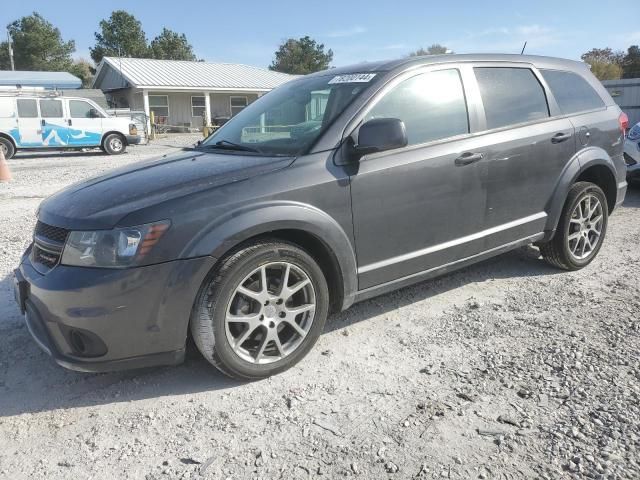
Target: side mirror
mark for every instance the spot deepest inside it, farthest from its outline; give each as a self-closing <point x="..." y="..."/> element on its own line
<point x="93" y="113"/>
<point x="379" y="135"/>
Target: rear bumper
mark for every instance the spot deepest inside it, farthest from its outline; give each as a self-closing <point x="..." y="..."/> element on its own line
<point x="133" y="139"/>
<point x="97" y="320"/>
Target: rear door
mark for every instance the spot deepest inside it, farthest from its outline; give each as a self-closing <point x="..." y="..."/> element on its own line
<point x="53" y="123"/>
<point x="29" y="125"/>
<point x="85" y="123"/>
<point x="527" y="145"/>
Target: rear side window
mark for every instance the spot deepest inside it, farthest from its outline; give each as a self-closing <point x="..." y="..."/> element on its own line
<point x="432" y="106"/>
<point x="27" y="108"/>
<point x="510" y="96"/>
<point x="572" y="92"/>
<point x="51" y="108"/>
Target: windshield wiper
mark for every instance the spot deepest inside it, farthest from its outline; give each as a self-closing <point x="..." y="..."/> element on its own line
<point x="227" y="145"/>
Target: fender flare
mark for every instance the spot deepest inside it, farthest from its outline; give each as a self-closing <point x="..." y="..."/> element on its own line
<point x="227" y="231"/>
<point x="580" y="162"/>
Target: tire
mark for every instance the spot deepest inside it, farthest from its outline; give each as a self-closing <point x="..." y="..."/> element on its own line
<point x="572" y="253"/>
<point x="247" y="349"/>
<point x="7" y="147"/>
<point x="114" y="144"/>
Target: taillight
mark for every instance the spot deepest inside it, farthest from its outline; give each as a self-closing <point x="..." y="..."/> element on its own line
<point x="623" y="121"/>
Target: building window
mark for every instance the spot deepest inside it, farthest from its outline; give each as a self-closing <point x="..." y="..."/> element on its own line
<point x="198" y="106"/>
<point x="159" y="105"/>
<point x="238" y="104"/>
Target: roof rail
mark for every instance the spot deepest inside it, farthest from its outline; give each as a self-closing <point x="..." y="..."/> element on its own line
<point x="30" y="91"/>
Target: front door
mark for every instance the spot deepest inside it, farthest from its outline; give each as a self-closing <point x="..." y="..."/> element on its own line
<point x="55" y="132"/>
<point x="421" y="206"/>
<point x="85" y="124"/>
<point x="29" y="125"/>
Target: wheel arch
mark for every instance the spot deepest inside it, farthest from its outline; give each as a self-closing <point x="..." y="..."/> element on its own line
<point x="304" y="225"/>
<point x="592" y="165"/>
<point x="10" y="138"/>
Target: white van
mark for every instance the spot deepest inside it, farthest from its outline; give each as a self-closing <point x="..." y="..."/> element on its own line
<point x="50" y="121"/>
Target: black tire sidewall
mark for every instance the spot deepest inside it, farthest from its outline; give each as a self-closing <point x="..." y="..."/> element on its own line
<point x="107" y="144"/>
<point x="566" y="216"/>
<point x="9" y="147"/>
<point x="224" y="352"/>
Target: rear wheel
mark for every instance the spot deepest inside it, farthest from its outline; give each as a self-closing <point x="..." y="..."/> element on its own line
<point x="114" y="144"/>
<point x="261" y="310"/>
<point x="7" y="148"/>
<point x="581" y="230"/>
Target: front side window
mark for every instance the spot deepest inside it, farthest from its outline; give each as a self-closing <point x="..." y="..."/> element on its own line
<point x="572" y="92"/>
<point x="432" y="106"/>
<point x="80" y="109"/>
<point x="51" y="108"/>
<point x="289" y="119"/>
<point x="27" y="108"/>
<point x="238" y="104"/>
<point x="159" y="105"/>
<point x="511" y="96"/>
<point x="198" y="106"/>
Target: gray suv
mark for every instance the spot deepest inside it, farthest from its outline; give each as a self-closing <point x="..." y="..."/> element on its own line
<point x="335" y="187"/>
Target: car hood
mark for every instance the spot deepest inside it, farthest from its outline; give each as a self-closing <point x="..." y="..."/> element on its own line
<point x="100" y="202"/>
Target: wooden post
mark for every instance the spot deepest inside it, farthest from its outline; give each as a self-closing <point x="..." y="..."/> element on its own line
<point x="152" y="131"/>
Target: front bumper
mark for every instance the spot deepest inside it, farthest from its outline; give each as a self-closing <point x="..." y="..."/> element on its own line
<point x="133" y="139"/>
<point x="97" y="320"/>
<point x="632" y="158"/>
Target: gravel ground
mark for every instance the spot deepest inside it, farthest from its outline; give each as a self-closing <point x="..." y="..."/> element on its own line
<point x="507" y="369"/>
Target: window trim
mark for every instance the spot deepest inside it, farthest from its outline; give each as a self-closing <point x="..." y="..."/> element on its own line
<point x="160" y="106"/>
<point x="199" y="106"/>
<point x="231" y="107"/>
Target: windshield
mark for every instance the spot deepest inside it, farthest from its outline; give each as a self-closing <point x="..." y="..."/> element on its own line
<point x="288" y="120"/>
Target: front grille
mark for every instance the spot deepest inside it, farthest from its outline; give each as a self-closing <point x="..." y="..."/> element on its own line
<point x="50" y="232"/>
<point x="45" y="258"/>
<point x="48" y="244"/>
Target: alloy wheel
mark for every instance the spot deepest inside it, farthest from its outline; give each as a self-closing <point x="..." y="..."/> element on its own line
<point x="116" y="144"/>
<point x="585" y="227"/>
<point x="270" y="313"/>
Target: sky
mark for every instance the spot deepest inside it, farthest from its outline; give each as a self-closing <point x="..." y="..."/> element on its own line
<point x="250" y="31"/>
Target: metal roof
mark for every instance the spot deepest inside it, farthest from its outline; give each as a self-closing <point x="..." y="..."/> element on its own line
<point x="50" y="80"/>
<point x="175" y="74"/>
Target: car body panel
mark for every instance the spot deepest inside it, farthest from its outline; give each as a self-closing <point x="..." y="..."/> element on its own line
<point x="391" y="219"/>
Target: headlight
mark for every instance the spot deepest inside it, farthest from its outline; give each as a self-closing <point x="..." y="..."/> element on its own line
<point x="118" y="248"/>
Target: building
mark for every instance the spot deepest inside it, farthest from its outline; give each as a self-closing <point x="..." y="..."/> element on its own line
<point x="626" y="93"/>
<point x="46" y="80"/>
<point x="181" y="93"/>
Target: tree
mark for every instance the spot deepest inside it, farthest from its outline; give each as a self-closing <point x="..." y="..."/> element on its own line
<point x="435" y="49"/>
<point x="631" y="63"/>
<point x="605" y="63"/>
<point x="84" y="71"/>
<point x="170" y="45"/>
<point x="37" y="45"/>
<point x="301" y="56"/>
<point x="120" y="36"/>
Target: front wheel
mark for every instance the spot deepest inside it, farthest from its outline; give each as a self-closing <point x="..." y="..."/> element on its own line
<point x="114" y="144"/>
<point x="7" y="148"/>
<point x="581" y="229"/>
<point x="261" y="310"/>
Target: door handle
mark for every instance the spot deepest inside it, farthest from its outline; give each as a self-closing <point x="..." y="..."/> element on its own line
<point x="42" y="122"/>
<point x="468" y="157"/>
<point x="561" y="137"/>
<point x="70" y="123"/>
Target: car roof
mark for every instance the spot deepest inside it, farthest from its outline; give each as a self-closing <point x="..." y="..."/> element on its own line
<point x="389" y="65"/>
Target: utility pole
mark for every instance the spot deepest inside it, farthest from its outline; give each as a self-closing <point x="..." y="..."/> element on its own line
<point x="13" y="66"/>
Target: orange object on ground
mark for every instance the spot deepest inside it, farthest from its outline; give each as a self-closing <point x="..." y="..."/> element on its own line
<point x="5" y="173"/>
